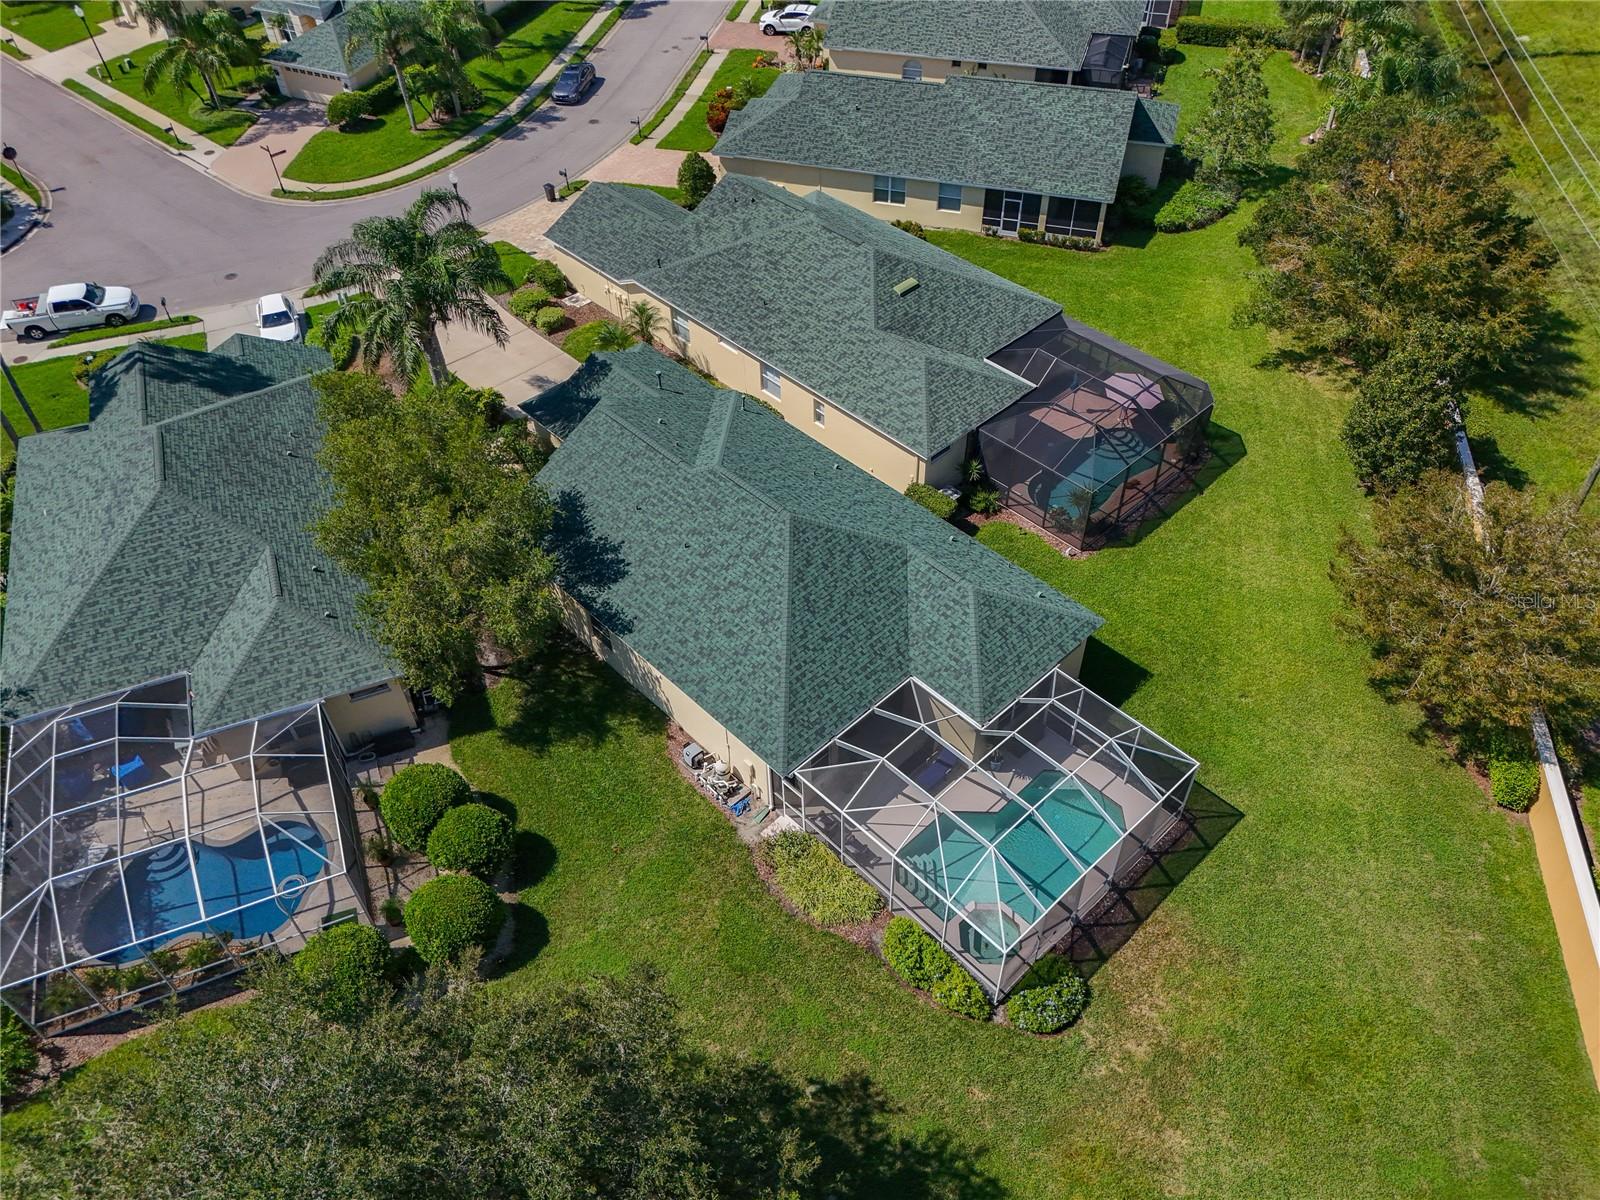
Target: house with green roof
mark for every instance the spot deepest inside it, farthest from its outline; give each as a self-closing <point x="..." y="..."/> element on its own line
<point x="896" y="355"/>
<point x="315" y="59"/>
<point x="1084" y="42"/>
<point x="855" y="662"/>
<point x="184" y="674"/>
<point x="970" y="153"/>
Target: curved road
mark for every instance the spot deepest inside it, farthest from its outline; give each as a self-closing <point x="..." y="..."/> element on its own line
<point x="127" y="212"/>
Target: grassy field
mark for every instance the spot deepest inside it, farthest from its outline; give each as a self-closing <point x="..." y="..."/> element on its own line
<point x="1264" y="12"/>
<point x="21" y="182"/>
<point x="380" y="144"/>
<point x="125" y="115"/>
<point x="514" y="263"/>
<point x="185" y="106"/>
<point x="51" y="24"/>
<point x="1298" y="103"/>
<point x="692" y="133"/>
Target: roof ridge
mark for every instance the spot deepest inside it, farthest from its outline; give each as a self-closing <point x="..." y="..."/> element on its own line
<point x="227" y="400"/>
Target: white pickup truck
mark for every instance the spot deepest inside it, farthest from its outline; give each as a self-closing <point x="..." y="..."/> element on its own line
<point x="70" y="306"/>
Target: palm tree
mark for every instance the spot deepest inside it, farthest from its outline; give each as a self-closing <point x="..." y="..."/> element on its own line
<point x="388" y="28"/>
<point x="200" y="42"/>
<point x="456" y="32"/>
<point x="643" y="321"/>
<point x="612" y="335"/>
<point x="408" y="275"/>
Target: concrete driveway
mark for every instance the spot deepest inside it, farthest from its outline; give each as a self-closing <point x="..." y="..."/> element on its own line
<point x="522" y="368"/>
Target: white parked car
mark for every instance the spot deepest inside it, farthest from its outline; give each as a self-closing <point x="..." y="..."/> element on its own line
<point x="276" y="318"/>
<point x="787" y="19"/>
<point x="70" y="306"/>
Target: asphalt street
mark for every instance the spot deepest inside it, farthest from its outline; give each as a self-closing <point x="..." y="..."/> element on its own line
<point x="128" y="212"/>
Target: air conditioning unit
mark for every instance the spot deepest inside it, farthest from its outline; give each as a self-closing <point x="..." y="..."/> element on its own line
<point x="694" y="756"/>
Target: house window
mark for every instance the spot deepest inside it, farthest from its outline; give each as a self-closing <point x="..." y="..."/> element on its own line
<point x="949" y="197"/>
<point x="1072" y="218"/>
<point x="680" y="327"/>
<point x="955" y="62"/>
<point x="367" y="693"/>
<point x="888" y="189"/>
<point x="818" y="413"/>
<point x="911" y="69"/>
<point x="771" y="384"/>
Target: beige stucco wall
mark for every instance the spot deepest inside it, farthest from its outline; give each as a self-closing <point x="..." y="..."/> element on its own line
<point x="934" y="70"/>
<point x="855" y="189"/>
<point x="1144" y="160"/>
<point x="700" y="725"/>
<point x="358" y="721"/>
<point x="1577" y="951"/>
<point x="848" y="437"/>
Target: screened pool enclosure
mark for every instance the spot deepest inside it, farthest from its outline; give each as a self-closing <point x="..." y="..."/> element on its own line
<point x="1105" y="432"/>
<point x="141" y="860"/>
<point x="995" y="836"/>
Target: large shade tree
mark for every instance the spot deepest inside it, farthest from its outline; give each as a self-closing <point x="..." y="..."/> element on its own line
<point x="388" y="28"/>
<point x="1233" y="137"/>
<point x="1401" y="218"/>
<point x="437" y="511"/>
<point x="1479" y="631"/>
<point x="409" y="274"/>
<point x="203" y="42"/>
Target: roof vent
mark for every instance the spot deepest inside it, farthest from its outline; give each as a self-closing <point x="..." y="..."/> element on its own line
<point x="328" y="612"/>
<point x="906" y="286"/>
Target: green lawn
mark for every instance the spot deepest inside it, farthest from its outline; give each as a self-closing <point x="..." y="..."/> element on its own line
<point x="124" y="114"/>
<point x="1264" y="12"/>
<point x="383" y="143"/>
<point x="580" y="343"/>
<point x="514" y="263"/>
<point x="21" y="182"/>
<point x="1298" y="102"/>
<point x="188" y="105"/>
<point x="55" y="396"/>
<point x="51" y="24"/>
<point x="692" y="133"/>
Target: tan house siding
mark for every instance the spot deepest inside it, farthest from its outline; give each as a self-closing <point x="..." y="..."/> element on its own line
<point x="700" y="725"/>
<point x="855" y="189"/>
<point x="1144" y="159"/>
<point x="934" y="70"/>
<point x="847" y="436"/>
<point x="358" y="721"/>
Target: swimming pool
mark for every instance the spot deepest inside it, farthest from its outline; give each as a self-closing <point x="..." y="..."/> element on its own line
<point x="161" y="891"/>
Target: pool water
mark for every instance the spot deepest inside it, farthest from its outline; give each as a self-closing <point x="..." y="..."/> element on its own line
<point x="235" y="876"/>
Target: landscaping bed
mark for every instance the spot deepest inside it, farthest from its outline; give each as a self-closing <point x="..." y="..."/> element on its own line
<point x="692" y="133"/>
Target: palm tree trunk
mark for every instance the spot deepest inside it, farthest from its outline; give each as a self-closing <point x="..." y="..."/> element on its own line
<point x="434" y="352"/>
<point x="1322" y="59"/>
<point x="405" y="96"/>
<point x="210" y="91"/>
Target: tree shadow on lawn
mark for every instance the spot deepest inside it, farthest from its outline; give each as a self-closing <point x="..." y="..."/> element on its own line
<point x="533" y="855"/>
<point x="569" y="697"/>
<point x="1493" y="464"/>
<point x="1206" y="820"/>
<point x="530" y="934"/>
<point x="1552" y="369"/>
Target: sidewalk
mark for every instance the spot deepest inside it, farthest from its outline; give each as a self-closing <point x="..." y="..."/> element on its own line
<point x="687" y="100"/>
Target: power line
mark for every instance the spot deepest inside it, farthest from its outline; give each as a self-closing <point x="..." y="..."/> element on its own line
<point x="1526" y="53"/>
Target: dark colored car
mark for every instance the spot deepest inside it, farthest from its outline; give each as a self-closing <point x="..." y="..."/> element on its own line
<point x="573" y="83"/>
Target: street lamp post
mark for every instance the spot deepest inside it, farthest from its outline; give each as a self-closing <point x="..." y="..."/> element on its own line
<point x="455" y="182"/>
<point x="77" y="11"/>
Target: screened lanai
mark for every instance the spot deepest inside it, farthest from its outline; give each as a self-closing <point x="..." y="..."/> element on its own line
<point x="994" y="836"/>
<point x="140" y="859"/>
<point x="1105" y="433"/>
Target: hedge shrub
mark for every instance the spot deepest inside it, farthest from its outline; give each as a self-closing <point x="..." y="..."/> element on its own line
<point x="448" y="914"/>
<point x="344" y="968"/>
<point x="470" y="837"/>
<point x="18" y="1057"/>
<point x="815" y="879"/>
<point x="416" y="797"/>
<point x="932" y="499"/>
<point x="549" y="318"/>
<point x="383" y="96"/>
<point x="548" y="276"/>
<point x="1167" y="42"/>
<point x="1193" y="206"/>
<point x="341" y="346"/>
<point x="914" y="955"/>
<point x="347" y="107"/>
<point x="914" y="228"/>
<point x="1050" y="1007"/>
<point x="960" y="993"/>
<point x="1514" y="782"/>
<point x="1224" y="31"/>
<point x="525" y="302"/>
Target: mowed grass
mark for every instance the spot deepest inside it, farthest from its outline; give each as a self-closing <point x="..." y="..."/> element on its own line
<point x="51" y="24"/>
<point x="692" y="133"/>
<point x="1298" y="103"/>
<point x="187" y="105"/>
<point x="535" y="34"/>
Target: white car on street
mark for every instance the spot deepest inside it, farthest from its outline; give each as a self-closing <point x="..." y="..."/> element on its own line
<point x="787" y="19"/>
<point x="276" y="319"/>
<point x="70" y="306"/>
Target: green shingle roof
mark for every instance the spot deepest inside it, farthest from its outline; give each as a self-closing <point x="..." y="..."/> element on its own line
<point x="1031" y="33"/>
<point x="781" y="588"/>
<point x="983" y="132"/>
<point x="171" y="535"/>
<point x="806" y="284"/>
<point x="324" y="47"/>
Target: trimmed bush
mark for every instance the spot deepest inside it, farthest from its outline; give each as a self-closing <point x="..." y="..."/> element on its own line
<point x="343" y="967"/>
<point x="932" y="499"/>
<point x="341" y="346"/>
<point x="1061" y="241"/>
<point x="1193" y="206"/>
<point x="1168" y="44"/>
<point x="817" y="881"/>
<point x="451" y="913"/>
<point x="914" y="228"/>
<point x="347" y="107"/>
<point x="1049" y="1008"/>
<point x="1223" y="31"/>
<point x="415" y="799"/>
<point x="527" y="301"/>
<point x="548" y="276"/>
<point x="696" y="178"/>
<point x="470" y="837"/>
<point x="383" y="96"/>
<point x="18" y="1057"/>
<point x="960" y="993"/>
<point x="1514" y="782"/>
<point x="914" y="955"/>
<point x="550" y="318"/>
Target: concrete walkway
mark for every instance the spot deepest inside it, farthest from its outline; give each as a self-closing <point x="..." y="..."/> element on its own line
<point x="687" y="101"/>
<point x="526" y="365"/>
